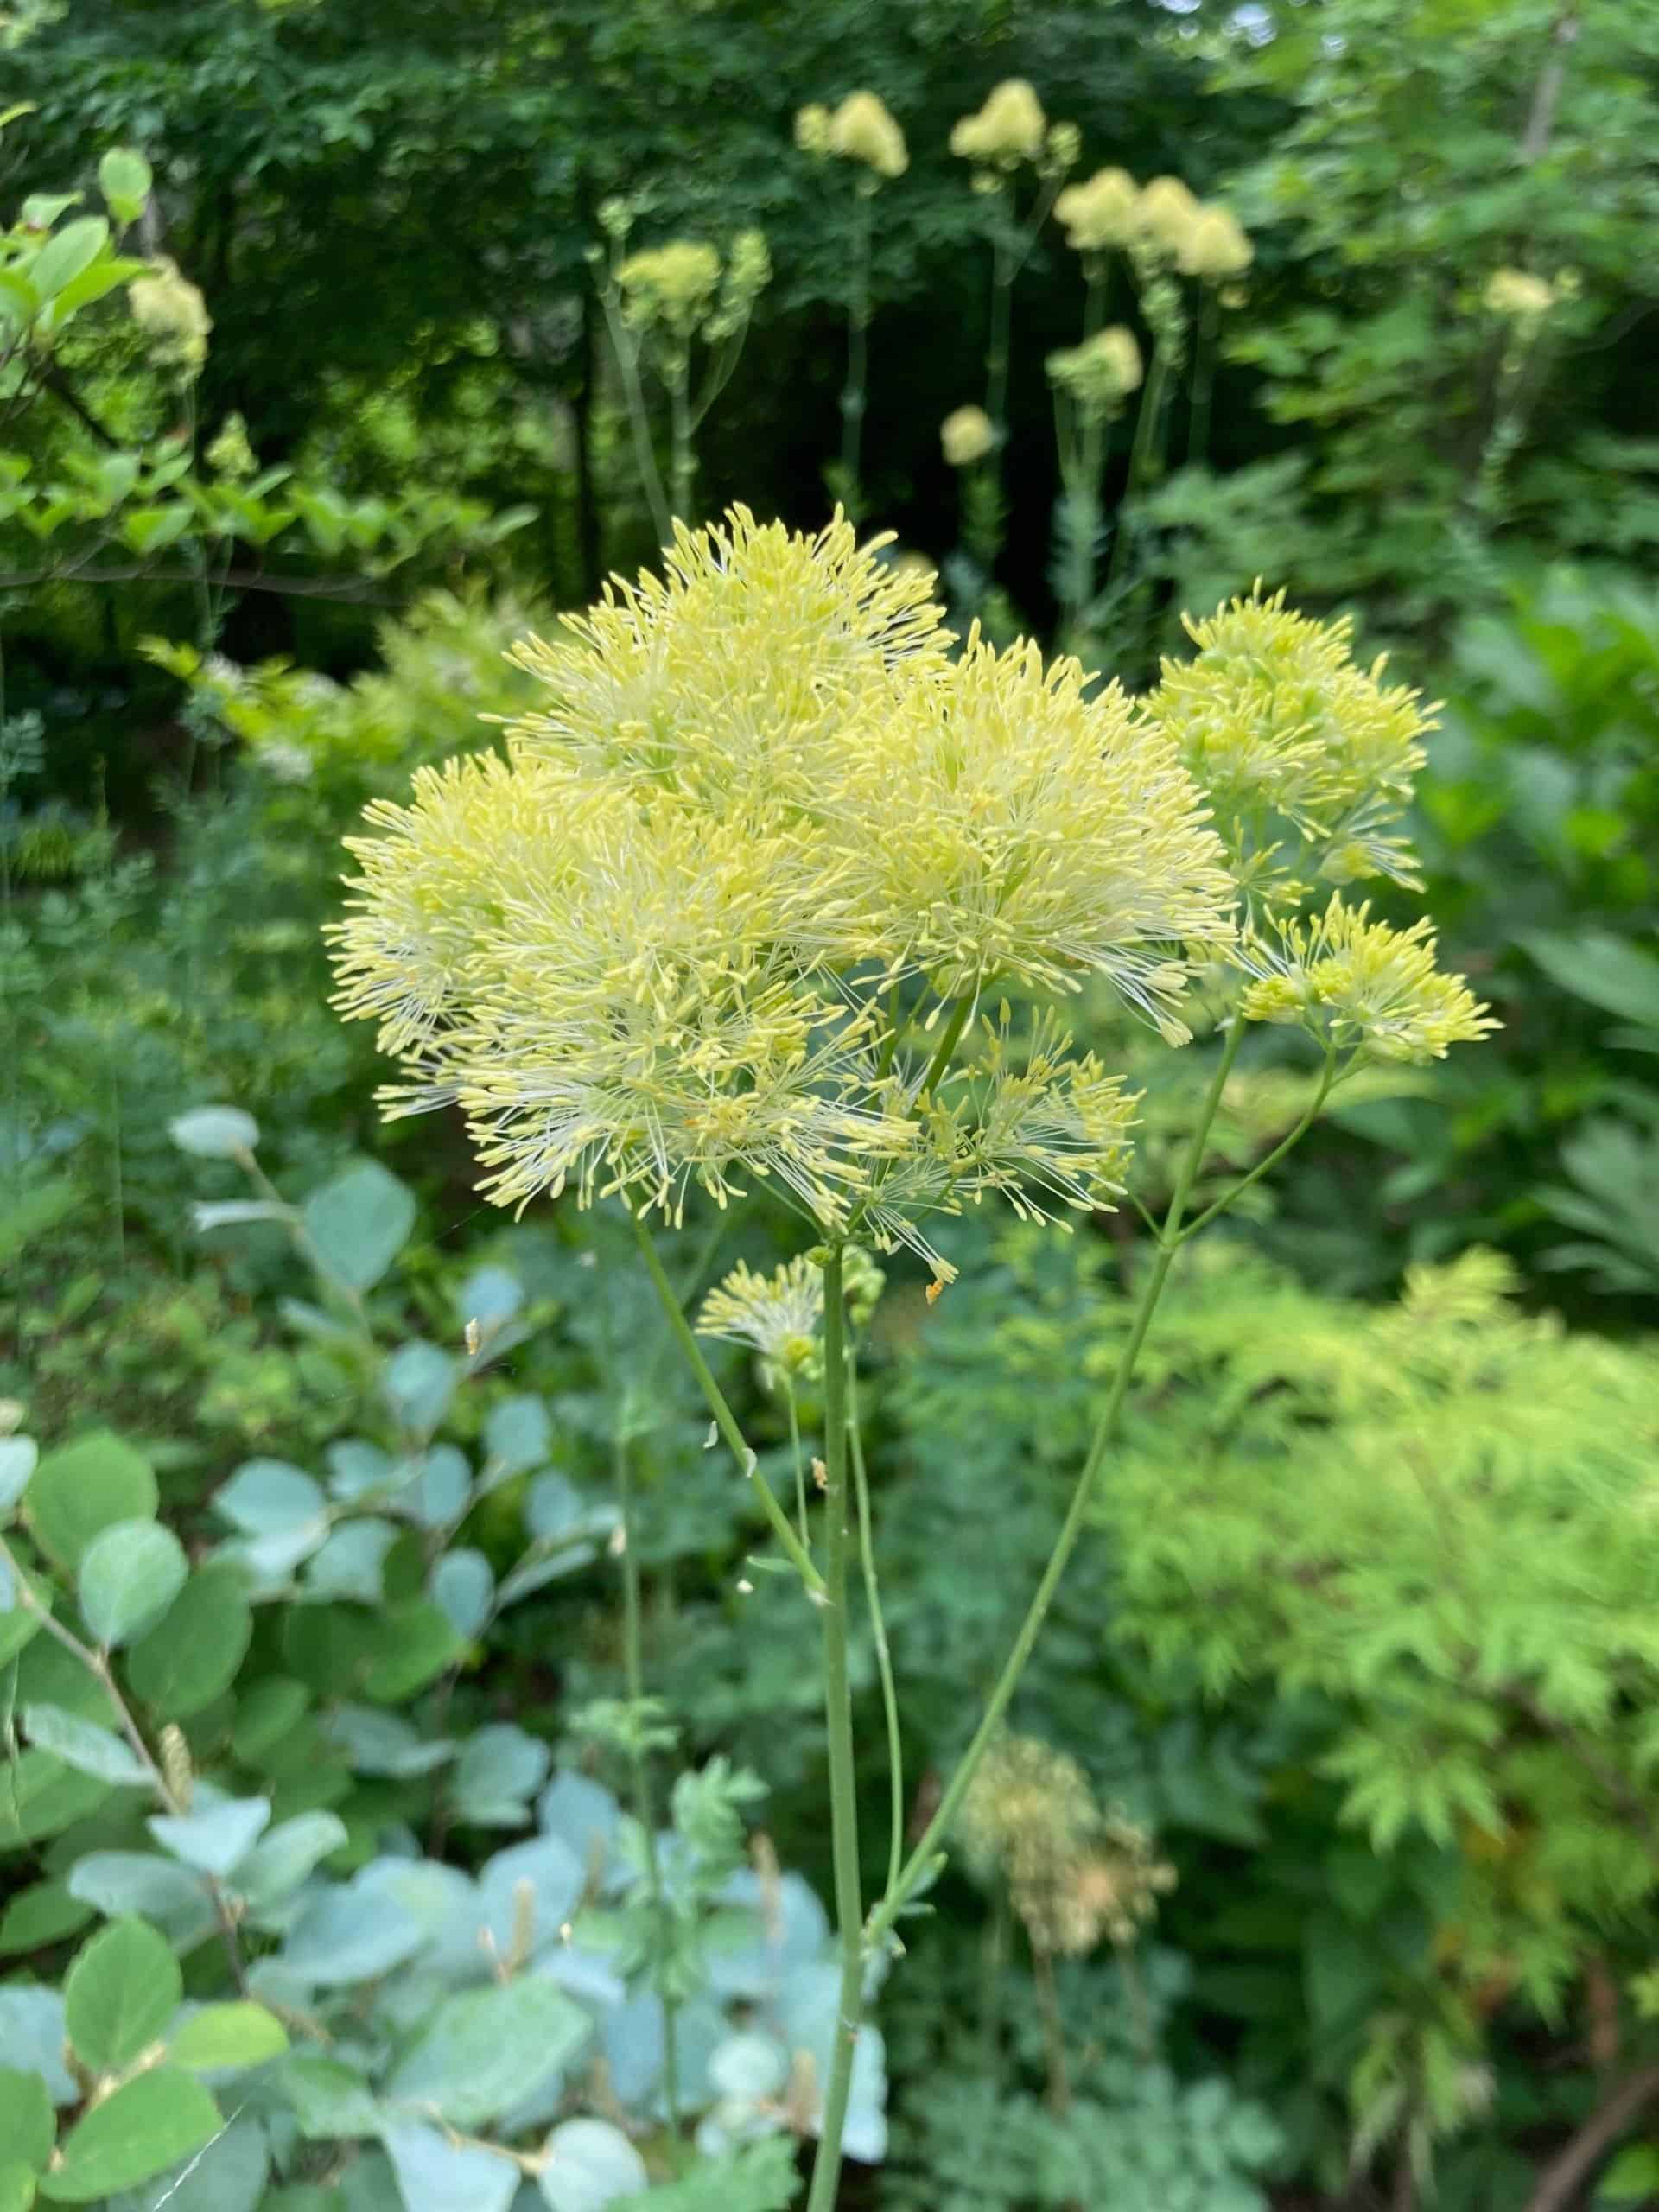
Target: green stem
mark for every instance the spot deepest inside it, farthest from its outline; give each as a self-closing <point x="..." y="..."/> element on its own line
<point x="1272" y="1159"/>
<point x="879" y="1629"/>
<point x="921" y="1862"/>
<point x="854" y="391"/>
<point x="947" y="1045"/>
<point x="684" y="463"/>
<point x="725" y="1419"/>
<point x="1004" y="269"/>
<point x="1151" y="401"/>
<point x="800" y="1463"/>
<point x="1204" y="377"/>
<point x="633" y="1662"/>
<point x="634" y="392"/>
<point x="838" y="1716"/>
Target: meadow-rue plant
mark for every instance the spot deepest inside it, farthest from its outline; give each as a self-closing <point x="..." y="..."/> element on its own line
<point x="1517" y="296"/>
<point x="682" y="940"/>
<point x="1165" y="214"/>
<point x="863" y="129"/>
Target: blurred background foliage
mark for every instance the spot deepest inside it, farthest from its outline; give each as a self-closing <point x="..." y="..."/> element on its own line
<point x="1413" y="1817"/>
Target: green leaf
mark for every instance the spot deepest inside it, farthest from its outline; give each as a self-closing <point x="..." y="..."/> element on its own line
<point x="40" y="1796"/>
<point x="229" y="2175"/>
<point x="499" y="1768"/>
<point x="67" y="252"/>
<point x="226" y="2036"/>
<point x="330" y="2101"/>
<point x="588" y="2164"/>
<point x="85" y="1746"/>
<point x="19" y="1456"/>
<point x="487" y="2047"/>
<point x="419" y="1382"/>
<point x="213" y="1837"/>
<point x="170" y="1896"/>
<point x="434" y="2175"/>
<point x="192" y="1655"/>
<point x="268" y="1497"/>
<point x="93" y="284"/>
<point x="84" y="1487"/>
<point x="28" y="2127"/>
<point x="148" y="2124"/>
<point x="130" y="1574"/>
<point x="350" y="1934"/>
<point x="282" y="1860"/>
<point x="121" y="1990"/>
<point x="463" y="1586"/>
<point x="412" y="1644"/>
<point x="16" y="2186"/>
<point x="124" y="178"/>
<point x="215" y="1131"/>
<point x="43" y="1913"/>
<point x="1632" y="2178"/>
<point x="357" y="1223"/>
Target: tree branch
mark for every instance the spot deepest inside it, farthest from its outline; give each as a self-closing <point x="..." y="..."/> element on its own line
<point x="1562" y="2180"/>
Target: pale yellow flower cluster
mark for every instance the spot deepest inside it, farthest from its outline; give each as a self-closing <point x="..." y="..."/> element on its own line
<point x="1516" y="295"/>
<point x="1286" y="734"/>
<point x="1009" y="129"/>
<point x="966" y="436"/>
<point x="658" y="946"/>
<point x="1101" y="212"/>
<point x="1101" y="373"/>
<point x="1164" y="218"/>
<point x="674" y="284"/>
<point x="860" y="129"/>
<point x="172" y="315"/>
<point x="781" y="1316"/>
<point x="1359" y="985"/>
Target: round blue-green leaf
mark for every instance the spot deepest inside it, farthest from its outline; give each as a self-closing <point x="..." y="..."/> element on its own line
<point x="193" y="1654"/>
<point x="214" y="1132"/>
<point x="588" y="2165"/>
<point x="27" y="2126"/>
<point x="18" y="1457"/>
<point x="85" y="1486"/>
<point x="130" y="1574"/>
<point x="357" y="1223"/>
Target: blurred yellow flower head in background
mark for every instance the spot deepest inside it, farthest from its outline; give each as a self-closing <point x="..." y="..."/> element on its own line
<point x="1104" y="212"/>
<point x="862" y="130"/>
<point x="966" y="436"/>
<point x="1008" y="130"/>
<point x="1215" y="246"/>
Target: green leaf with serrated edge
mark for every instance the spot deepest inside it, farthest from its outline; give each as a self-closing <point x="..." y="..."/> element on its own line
<point x="119" y="1993"/>
<point x="487" y="2047"/>
<point x="221" y="2037"/>
<point x="84" y="1487"/>
<point x="43" y="1913"/>
<point x="130" y="1574"/>
<point x="28" y="2126"/>
<point x="147" y="2126"/>
<point x="193" y="1655"/>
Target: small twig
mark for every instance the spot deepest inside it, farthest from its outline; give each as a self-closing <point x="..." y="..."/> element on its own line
<point x="1562" y="2179"/>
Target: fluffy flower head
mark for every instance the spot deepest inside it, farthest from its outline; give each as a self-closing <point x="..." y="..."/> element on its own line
<point x="1100" y="374"/>
<point x="673" y="285"/>
<point x="172" y="315"/>
<point x="1274" y="719"/>
<point x="1046" y="836"/>
<point x="862" y="130"/>
<point x="1008" y="130"/>
<point x="1100" y="213"/>
<point x="1358" y="984"/>
<point x="733" y="674"/>
<point x="1215" y="246"/>
<point x="779" y="1315"/>
<point x="966" y="436"/>
<point x="1164" y="214"/>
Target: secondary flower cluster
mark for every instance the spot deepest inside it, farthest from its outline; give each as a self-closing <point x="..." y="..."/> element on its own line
<point x="1164" y="218"/>
<point x="730" y="905"/>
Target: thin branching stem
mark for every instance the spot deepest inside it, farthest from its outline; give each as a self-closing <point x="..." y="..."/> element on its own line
<point x="838" y="1718"/>
<point x="725" y="1419"/>
<point x="879" y="1629"/>
<point x="926" y="1857"/>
